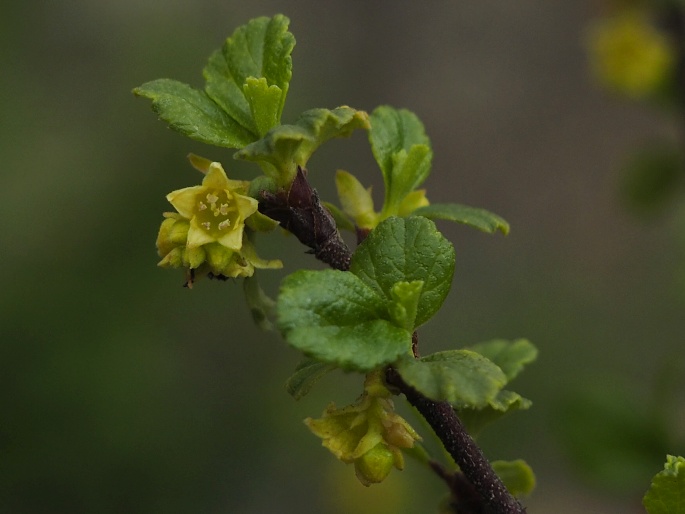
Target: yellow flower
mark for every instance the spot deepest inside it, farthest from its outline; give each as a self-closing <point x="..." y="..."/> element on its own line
<point x="207" y="234"/>
<point x="367" y="433"/>
<point x="217" y="209"/>
<point x="630" y="55"/>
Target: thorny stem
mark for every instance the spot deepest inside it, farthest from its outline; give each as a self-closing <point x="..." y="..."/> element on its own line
<point x="481" y="492"/>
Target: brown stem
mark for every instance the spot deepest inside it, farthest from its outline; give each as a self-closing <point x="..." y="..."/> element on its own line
<point x="464" y="498"/>
<point x="300" y="212"/>
<point x="463" y="449"/>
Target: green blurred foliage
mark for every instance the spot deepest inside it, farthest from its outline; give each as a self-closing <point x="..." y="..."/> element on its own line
<point x="124" y="392"/>
<point x="652" y="177"/>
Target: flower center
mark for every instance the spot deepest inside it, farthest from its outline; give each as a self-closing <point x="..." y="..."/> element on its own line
<point x="216" y="211"/>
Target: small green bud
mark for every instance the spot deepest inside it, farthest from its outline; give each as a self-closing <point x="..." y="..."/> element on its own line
<point x="193" y="257"/>
<point x="405" y="302"/>
<point x="375" y="465"/>
<point x="173" y="259"/>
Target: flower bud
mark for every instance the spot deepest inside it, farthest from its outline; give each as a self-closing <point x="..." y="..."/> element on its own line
<point x="375" y="465"/>
<point x="368" y="433"/>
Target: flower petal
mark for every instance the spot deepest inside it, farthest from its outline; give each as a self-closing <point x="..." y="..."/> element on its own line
<point x="216" y="177"/>
<point x="184" y="200"/>
<point x="246" y="206"/>
<point x="197" y="236"/>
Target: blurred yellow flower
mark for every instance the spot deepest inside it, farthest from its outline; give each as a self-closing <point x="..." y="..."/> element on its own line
<point x="628" y="54"/>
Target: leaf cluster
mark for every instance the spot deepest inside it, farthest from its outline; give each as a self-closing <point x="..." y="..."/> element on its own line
<point x="364" y="319"/>
<point x="240" y="106"/>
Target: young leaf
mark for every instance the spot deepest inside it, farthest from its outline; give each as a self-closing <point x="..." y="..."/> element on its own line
<point x="510" y="356"/>
<point x="402" y="150"/>
<point x="307" y="373"/>
<point x="404" y="304"/>
<point x="517" y="475"/>
<point x="461" y="377"/>
<point x="477" y="218"/>
<point x="264" y="103"/>
<point x="356" y="200"/>
<point x="249" y="77"/>
<point x="334" y="317"/>
<point x="194" y="114"/>
<point x="407" y="250"/>
<point x="667" y="492"/>
<point x="475" y="419"/>
<point x="285" y="147"/>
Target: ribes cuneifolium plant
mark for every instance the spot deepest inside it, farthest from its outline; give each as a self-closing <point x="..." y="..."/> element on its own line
<point x="363" y="314"/>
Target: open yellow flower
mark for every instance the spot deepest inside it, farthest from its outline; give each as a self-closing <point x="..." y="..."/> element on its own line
<point x="217" y="209"/>
<point x="207" y="234"/>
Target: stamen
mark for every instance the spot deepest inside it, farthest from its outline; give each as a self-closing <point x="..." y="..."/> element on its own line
<point x="202" y="206"/>
<point x="212" y="198"/>
<point x="224" y="224"/>
<point x="207" y="225"/>
<point x="223" y="209"/>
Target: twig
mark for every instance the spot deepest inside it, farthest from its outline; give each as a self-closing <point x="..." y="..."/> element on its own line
<point x="300" y="212"/>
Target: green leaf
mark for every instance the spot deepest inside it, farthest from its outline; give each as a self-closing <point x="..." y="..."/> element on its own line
<point x="505" y="402"/>
<point x="517" y="476"/>
<point x="477" y="218"/>
<point x="285" y="147"/>
<point x="194" y="114"/>
<point x="667" y="492"/>
<point x="402" y="150"/>
<point x="407" y="250"/>
<point x="334" y="317"/>
<point x="249" y="77"/>
<point x="609" y="436"/>
<point x="306" y="375"/>
<point x="510" y="356"/>
<point x="652" y="176"/>
<point x="461" y="377"/>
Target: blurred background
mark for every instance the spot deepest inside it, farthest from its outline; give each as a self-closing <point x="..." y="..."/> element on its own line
<point x="123" y="392"/>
